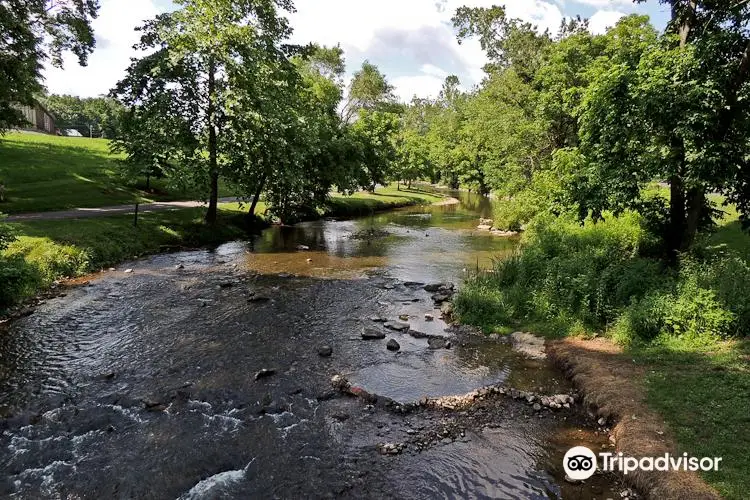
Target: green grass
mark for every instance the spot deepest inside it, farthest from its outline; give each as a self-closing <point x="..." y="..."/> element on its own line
<point x="361" y="203"/>
<point x="42" y="173"/>
<point x="703" y="393"/>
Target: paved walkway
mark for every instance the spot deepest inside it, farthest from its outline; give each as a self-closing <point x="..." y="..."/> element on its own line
<point x="87" y="213"/>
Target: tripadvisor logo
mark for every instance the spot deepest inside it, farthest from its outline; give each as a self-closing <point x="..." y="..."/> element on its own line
<point x="580" y="463"/>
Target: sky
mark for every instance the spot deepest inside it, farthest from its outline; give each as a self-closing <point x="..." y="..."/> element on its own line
<point x="411" y="41"/>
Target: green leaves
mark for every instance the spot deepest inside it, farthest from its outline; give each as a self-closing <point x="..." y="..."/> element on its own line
<point x="32" y="32"/>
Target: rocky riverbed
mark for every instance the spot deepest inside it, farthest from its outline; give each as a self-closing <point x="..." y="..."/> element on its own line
<point x="208" y="374"/>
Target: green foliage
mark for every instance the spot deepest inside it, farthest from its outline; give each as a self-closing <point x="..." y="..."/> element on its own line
<point x="600" y="276"/>
<point x="368" y="90"/>
<point x="91" y="116"/>
<point x="35" y="32"/>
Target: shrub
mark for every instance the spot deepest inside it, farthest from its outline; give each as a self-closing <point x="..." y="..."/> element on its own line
<point x="595" y="277"/>
<point x="51" y="260"/>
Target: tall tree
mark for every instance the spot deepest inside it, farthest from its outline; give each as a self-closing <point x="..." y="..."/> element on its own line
<point x="205" y="60"/>
<point x="368" y="90"/>
<point x="696" y="76"/>
<point x="35" y="31"/>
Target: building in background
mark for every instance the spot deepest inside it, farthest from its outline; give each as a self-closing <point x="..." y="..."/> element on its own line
<point x="38" y="118"/>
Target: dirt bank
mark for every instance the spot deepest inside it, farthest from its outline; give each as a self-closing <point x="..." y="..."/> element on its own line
<point x="613" y="388"/>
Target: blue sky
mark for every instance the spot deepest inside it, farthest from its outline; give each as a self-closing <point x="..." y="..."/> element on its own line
<point x="410" y="40"/>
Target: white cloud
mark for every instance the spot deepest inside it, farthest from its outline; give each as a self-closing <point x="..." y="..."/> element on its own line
<point x="604" y="19"/>
<point x="408" y="39"/>
<point x="429" y="69"/>
<point x="606" y="3"/>
<point x="412" y="41"/>
<point x="419" y="85"/>
<point x="114" y="29"/>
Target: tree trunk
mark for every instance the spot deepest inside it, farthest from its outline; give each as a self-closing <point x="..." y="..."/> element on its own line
<point x="258" y="192"/>
<point x="676" y="228"/>
<point x="213" y="200"/>
<point x="696" y="202"/>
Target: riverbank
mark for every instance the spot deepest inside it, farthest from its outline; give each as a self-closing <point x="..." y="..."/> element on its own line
<point x="676" y="352"/>
<point x="47" y="252"/>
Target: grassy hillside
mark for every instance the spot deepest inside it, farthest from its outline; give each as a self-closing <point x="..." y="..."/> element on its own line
<point x="42" y="172"/>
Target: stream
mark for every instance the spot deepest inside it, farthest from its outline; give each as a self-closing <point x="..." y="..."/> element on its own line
<point x="142" y="384"/>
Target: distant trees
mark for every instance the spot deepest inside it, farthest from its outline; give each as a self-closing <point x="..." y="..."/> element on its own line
<point x="97" y="116"/>
<point x="34" y="32"/>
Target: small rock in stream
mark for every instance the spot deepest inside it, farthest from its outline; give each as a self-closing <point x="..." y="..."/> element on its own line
<point x="372" y="334"/>
<point x="257" y="298"/>
<point x="391" y="448"/>
<point x="428" y="317"/>
<point x="325" y="351"/>
<point x="264" y="373"/>
<point x="404" y="317"/>
<point x="438" y="343"/>
<point x="393" y="345"/>
<point x="378" y="319"/>
<point x="397" y="325"/>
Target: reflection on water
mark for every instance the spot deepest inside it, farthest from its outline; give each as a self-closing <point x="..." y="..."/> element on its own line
<point x="423" y="243"/>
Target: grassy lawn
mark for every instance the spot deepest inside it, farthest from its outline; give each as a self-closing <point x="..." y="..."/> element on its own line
<point x="42" y="173"/>
<point x="704" y="396"/>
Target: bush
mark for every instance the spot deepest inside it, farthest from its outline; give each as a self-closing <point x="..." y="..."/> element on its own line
<point x="599" y="276"/>
<point x="50" y="260"/>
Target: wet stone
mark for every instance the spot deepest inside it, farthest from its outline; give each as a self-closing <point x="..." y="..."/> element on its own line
<point x="438" y="343"/>
<point x="372" y="334"/>
<point x="325" y="351"/>
<point x="397" y="325"/>
<point x="393" y="345"/>
<point x="264" y="373"/>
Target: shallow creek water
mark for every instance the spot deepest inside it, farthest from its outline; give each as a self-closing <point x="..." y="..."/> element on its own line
<point x="143" y="384"/>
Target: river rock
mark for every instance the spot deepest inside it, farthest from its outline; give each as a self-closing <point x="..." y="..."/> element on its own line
<point x="404" y="317"/>
<point x="340" y="383"/>
<point x="391" y="448"/>
<point x="264" y="373"/>
<point x="128" y="271"/>
<point x="372" y="334"/>
<point x="254" y="298"/>
<point x="325" y="351"/>
<point x="393" y="345"/>
<point x="413" y="283"/>
<point x="486" y="222"/>
<point x="428" y="317"/>
<point x="484" y="227"/>
<point x="438" y="343"/>
<point x="303" y="248"/>
<point x="397" y="325"/>
<point x="378" y="319"/>
<point x="537" y="407"/>
<point x="179" y="266"/>
<point x="432" y="287"/>
<point x="441" y="297"/>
